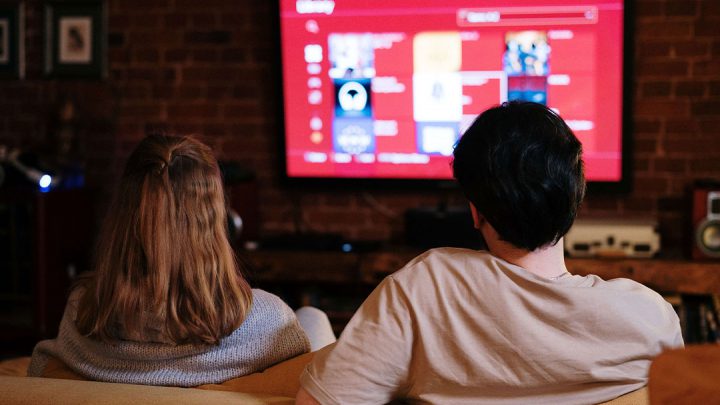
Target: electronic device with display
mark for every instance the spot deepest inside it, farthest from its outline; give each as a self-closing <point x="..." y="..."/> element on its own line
<point x="378" y="92"/>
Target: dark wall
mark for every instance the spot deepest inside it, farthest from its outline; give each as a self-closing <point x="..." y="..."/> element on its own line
<point x="206" y="68"/>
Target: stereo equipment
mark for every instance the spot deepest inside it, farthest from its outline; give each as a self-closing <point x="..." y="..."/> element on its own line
<point x="706" y="221"/>
<point x="614" y="237"/>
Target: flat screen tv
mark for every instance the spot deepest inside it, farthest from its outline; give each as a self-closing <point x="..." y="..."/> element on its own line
<point x="379" y="91"/>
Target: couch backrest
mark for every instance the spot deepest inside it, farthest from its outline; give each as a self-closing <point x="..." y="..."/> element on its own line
<point x="42" y="391"/>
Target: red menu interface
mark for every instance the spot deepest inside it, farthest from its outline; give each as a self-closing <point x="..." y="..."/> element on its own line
<point x="384" y="89"/>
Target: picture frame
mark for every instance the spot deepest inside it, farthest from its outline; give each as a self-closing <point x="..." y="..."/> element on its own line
<point x="12" y="40"/>
<point x="75" y="39"/>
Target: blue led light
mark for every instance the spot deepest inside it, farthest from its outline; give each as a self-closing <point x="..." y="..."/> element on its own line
<point x="45" y="181"/>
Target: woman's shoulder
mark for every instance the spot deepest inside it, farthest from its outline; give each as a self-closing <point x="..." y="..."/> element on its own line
<point x="75" y="295"/>
<point x="271" y="316"/>
<point x="81" y="285"/>
<point x="267" y="297"/>
<point x="265" y="303"/>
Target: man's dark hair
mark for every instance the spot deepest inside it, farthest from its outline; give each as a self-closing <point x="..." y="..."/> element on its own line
<point x="520" y="165"/>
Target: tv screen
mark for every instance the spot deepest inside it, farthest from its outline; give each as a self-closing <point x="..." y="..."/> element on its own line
<point x="382" y="90"/>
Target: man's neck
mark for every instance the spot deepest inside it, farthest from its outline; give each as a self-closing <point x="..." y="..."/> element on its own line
<point x="547" y="262"/>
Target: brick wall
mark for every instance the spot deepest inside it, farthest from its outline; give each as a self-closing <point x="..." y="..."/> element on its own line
<point x="205" y="67"/>
<point x="676" y="110"/>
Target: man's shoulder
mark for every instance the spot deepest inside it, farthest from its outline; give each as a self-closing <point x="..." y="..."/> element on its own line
<point x="443" y="261"/>
<point x="639" y="292"/>
<point x="625" y="286"/>
<point x="627" y="299"/>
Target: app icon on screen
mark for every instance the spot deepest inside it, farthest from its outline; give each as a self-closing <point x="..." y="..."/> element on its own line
<point x="437" y="96"/>
<point x="353" y="135"/>
<point x="527" y="53"/>
<point x="437" y="138"/>
<point x="352" y="98"/>
<point x="351" y="56"/>
<point x="439" y="51"/>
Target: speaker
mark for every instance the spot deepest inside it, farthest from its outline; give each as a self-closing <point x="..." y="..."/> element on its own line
<point x="242" y="198"/>
<point x="706" y="221"/>
<point x="243" y="211"/>
<point x="429" y="227"/>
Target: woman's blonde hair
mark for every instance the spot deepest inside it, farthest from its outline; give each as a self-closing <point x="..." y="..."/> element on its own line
<point x="164" y="250"/>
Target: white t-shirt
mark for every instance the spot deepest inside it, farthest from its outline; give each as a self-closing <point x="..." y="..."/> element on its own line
<point x="459" y="326"/>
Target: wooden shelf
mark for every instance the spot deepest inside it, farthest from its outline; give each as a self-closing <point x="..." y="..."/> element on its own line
<point x="663" y="275"/>
<point x="302" y="266"/>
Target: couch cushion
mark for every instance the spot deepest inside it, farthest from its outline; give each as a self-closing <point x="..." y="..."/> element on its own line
<point x="686" y="376"/>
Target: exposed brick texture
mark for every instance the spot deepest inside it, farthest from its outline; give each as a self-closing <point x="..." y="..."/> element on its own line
<point x="205" y="67"/>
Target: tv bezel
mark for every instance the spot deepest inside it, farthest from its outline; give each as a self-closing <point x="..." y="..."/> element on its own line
<point x="622" y="186"/>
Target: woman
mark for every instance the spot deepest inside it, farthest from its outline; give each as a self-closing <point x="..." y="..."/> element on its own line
<point x="166" y="303"/>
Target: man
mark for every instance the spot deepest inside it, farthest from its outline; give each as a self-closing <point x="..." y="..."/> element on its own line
<point x="510" y="324"/>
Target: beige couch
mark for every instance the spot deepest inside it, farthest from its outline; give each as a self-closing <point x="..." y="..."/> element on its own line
<point x="276" y="385"/>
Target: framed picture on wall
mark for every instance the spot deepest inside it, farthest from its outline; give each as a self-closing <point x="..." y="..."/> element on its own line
<point x="12" y="58"/>
<point x="75" y="39"/>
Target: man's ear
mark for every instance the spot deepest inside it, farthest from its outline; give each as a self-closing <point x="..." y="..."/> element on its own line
<point x="478" y="219"/>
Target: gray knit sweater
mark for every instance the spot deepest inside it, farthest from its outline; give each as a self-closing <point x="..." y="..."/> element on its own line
<point x="269" y="334"/>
